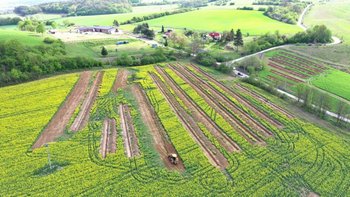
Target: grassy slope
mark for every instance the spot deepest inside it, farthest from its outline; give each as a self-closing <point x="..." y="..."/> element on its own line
<point x="109" y="18"/>
<point x="252" y="22"/>
<point x="336" y="82"/>
<point x="335" y="15"/>
<point x="27" y="38"/>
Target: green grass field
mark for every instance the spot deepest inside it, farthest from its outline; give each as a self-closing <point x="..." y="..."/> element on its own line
<point x="335" y="15"/>
<point x="93" y="48"/>
<point x="27" y="38"/>
<point x="334" y="81"/>
<point x="252" y="22"/>
<point x="108" y="19"/>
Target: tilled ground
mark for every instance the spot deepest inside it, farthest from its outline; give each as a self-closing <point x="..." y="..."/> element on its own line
<point x="58" y="123"/>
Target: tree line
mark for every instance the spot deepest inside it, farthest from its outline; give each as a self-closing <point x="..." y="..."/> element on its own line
<point x="77" y="8"/>
<point x="9" y="20"/>
<point x="21" y="63"/>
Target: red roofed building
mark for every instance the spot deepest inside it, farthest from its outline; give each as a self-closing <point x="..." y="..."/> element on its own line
<point x="215" y="35"/>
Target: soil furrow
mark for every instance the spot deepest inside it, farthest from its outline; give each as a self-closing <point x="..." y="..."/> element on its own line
<point x="240" y="98"/>
<point x="128" y="131"/>
<point x="121" y="80"/>
<point x="199" y="115"/>
<point x="84" y="114"/>
<point x="213" y="154"/>
<point x="161" y="140"/>
<point x="233" y="121"/>
<point x="230" y="105"/>
<point x="58" y="123"/>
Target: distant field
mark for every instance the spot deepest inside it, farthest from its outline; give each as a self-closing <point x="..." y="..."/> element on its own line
<point x="93" y="48"/>
<point x="335" y="81"/>
<point x="335" y="15"/>
<point x="109" y="18"/>
<point x="27" y="38"/>
<point x="252" y="22"/>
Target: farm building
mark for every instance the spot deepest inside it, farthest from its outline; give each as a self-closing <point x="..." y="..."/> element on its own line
<point x="101" y="29"/>
<point x="215" y="35"/>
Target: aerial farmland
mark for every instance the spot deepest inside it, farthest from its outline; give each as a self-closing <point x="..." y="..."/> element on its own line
<point x="183" y="98"/>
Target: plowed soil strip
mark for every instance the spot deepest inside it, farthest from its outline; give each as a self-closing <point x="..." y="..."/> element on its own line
<point x="121" y="80"/>
<point x="240" y="98"/>
<point x="219" y="108"/>
<point x="58" y="123"/>
<point x="104" y="139"/>
<point x="213" y="154"/>
<point x="112" y="137"/>
<point x="264" y="100"/>
<point x="83" y="116"/>
<point x="162" y="144"/>
<point x="229" y="104"/>
<point x="199" y="115"/>
<point x="108" y="139"/>
<point x="128" y="132"/>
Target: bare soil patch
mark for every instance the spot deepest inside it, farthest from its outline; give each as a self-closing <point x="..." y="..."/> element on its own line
<point x="84" y="114"/>
<point x="58" y="123"/>
<point x="121" y="80"/>
<point x="108" y="139"/>
<point x="161" y="142"/>
<point x="128" y="132"/>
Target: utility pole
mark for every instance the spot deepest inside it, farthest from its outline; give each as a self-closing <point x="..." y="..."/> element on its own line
<point x="48" y="155"/>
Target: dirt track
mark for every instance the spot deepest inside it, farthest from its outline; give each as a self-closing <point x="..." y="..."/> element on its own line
<point x="121" y="80"/>
<point x="162" y="144"/>
<point x="84" y="114"/>
<point x="213" y="154"/>
<point x="58" y="123"/>
<point x="199" y="115"/>
<point x="108" y="140"/>
<point x="128" y="132"/>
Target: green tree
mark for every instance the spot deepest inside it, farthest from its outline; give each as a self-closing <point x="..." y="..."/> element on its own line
<point x="166" y="42"/>
<point x="104" y="52"/>
<point x="238" y="40"/>
<point x="40" y="28"/>
<point x="162" y="29"/>
<point x="116" y="23"/>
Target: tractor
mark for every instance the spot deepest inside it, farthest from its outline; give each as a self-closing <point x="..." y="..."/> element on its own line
<point x="173" y="159"/>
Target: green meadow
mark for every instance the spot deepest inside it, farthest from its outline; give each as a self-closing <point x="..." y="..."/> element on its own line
<point x="252" y="22"/>
<point x="27" y="38"/>
<point x="335" y="15"/>
<point x="335" y="81"/>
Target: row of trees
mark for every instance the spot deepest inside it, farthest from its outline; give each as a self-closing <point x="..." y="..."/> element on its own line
<point x="155" y="15"/>
<point x="9" y="20"/>
<point x="22" y="63"/>
<point x="287" y="14"/>
<point x="317" y="34"/>
<point x="79" y="8"/>
<point x="320" y="102"/>
<point x="31" y="25"/>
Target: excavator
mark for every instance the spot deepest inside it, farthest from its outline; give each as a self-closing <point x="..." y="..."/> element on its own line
<point x="173" y="159"/>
